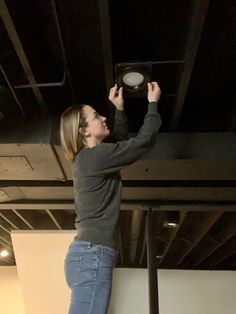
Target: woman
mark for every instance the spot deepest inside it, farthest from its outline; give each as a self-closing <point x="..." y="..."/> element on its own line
<point x="97" y="188"/>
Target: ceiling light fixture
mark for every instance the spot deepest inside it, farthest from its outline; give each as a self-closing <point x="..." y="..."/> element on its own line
<point x="4" y="253"/>
<point x="133" y="78"/>
<point x="171" y="219"/>
<point x="170" y="224"/>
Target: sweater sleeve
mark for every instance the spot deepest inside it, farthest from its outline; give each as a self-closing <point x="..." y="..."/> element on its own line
<point x="120" y="129"/>
<point x="111" y="157"/>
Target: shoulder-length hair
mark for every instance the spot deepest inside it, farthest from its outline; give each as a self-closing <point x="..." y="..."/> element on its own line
<point x="72" y="140"/>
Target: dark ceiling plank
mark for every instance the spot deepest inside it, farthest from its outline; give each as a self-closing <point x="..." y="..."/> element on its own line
<point x="227" y="230"/>
<point x="173" y="235"/>
<point x="220" y="255"/>
<point x="12" y="218"/>
<point x="5" y="245"/>
<point x="54" y="219"/>
<point x="233" y="262"/>
<point x="199" y="232"/>
<point x="5" y="263"/>
<point x="5" y="229"/>
<point x="63" y="50"/>
<point x="232" y="123"/>
<point x="39" y="220"/>
<point x="66" y="73"/>
<point x="193" y="40"/>
<point x="6" y="260"/>
<point x="2" y="238"/>
<point x="105" y="27"/>
<point x="228" y="264"/>
<point x="135" y="233"/>
<point x="9" y="25"/>
<point x="106" y="41"/>
<point x="85" y="46"/>
<point x="11" y="260"/>
<point x="8" y="221"/>
<point x="65" y="217"/>
<point x="12" y="90"/>
<point x="5" y="236"/>
<point x="23" y="219"/>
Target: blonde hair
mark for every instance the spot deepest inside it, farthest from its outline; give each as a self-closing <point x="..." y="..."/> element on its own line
<point x="72" y="140"/>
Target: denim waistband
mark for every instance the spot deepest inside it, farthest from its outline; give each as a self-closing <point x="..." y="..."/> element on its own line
<point x="80" y="244"/>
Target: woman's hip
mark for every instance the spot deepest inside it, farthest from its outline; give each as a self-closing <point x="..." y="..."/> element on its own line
<point x="87" y="262"/>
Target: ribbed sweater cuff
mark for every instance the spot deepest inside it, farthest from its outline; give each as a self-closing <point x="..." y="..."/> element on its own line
<point x="152" y="107"/>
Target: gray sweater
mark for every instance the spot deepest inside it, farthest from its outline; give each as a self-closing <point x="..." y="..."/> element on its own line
<point x="97" y="180"/>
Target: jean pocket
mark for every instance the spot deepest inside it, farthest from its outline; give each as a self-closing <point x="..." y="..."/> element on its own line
<point x="72" y="271"/>
<point x="109" y="254"/>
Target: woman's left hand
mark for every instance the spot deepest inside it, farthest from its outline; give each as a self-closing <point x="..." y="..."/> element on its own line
<point x="116" y="97"/>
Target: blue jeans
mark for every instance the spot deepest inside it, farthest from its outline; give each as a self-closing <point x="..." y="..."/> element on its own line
<point x="88" y="273"/>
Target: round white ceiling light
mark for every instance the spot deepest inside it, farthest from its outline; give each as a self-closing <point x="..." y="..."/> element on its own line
<point x="133" y="79"/>
<point x="4" y="253"/>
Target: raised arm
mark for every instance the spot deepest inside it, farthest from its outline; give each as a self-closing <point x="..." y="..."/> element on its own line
<point x="120" y="128"/>
<point x="107" y="157"/>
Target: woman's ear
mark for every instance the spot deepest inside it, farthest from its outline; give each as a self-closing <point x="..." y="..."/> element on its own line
<point x="83" y="131"/>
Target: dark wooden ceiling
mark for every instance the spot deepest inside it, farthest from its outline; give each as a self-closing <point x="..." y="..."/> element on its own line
<point x="56" y="53"/>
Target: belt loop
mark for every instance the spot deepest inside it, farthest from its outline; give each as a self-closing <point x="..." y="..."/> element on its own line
<point x="89" y="245"/>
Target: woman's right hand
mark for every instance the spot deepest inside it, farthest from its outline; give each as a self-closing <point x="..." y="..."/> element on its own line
<point x="154" y="92"/>
<point x="116" y="97"/>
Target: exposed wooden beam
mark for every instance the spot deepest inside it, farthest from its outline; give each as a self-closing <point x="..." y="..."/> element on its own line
<point x="200" y="8"/>
<point x="227" y="231"/>
<point x="8" y="221"/>
<point x="7" y="260"/>
<point x="5" y="225"/>
<point x="4" y="240"/>
<point x="125" y="205"/>
<point x="5" y="245"/>
<point x="23" y="219"/>
<point x="12" y="219"/>
<point x="135" y="233"/>
<point x="199" y="233"/>
<point x="53" y="219"/>
<point x="5" y="229"/>
<point x="173" y="234"/>
<point x="219" y="256"/>
<point x="10" y="27"/>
